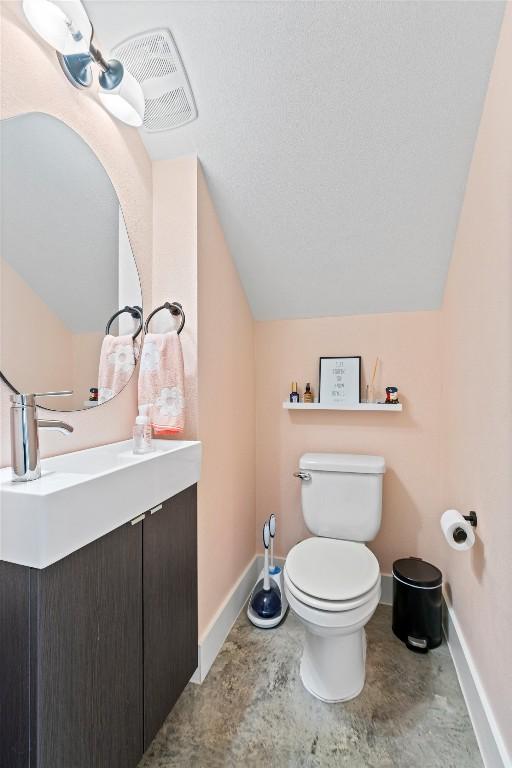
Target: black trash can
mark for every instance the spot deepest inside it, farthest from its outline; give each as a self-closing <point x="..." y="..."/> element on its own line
<point x="417" y="603"/>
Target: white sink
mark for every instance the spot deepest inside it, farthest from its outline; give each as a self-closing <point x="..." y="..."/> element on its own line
<point x="82" y="496"/>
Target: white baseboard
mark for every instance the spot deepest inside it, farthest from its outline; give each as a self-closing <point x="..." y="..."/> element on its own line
<point x="492" y="746"/>
<point x="386" y="585"/>
<point x="220" y="626"/>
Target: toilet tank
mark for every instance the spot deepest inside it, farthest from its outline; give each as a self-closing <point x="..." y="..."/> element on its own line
<point x="342" y="495"/>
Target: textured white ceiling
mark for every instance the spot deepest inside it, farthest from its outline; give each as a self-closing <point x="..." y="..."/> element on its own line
<point x="336" y="138"/>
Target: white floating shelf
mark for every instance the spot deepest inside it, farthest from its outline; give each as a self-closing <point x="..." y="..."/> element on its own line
<point x="355" y="407"/>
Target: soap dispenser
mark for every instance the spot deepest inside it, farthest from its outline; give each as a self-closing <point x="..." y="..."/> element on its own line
<point x="142" y="431"/>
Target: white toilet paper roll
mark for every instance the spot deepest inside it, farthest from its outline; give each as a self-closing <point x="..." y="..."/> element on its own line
<point x="452" y="520"/>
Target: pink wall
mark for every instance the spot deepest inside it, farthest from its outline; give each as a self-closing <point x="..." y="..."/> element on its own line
<point x="50" y="365"/>
<point x="31" y="80"/>
<point x="226" y="415"/>
<point x="59" y="360"/>
<point x="408" y="345"/>
<point x="476" y="437"/>
<point x="174" y="276"/>
<point x="192" y="264"/>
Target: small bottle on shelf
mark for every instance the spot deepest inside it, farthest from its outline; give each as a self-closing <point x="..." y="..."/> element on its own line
<point x="294" y="394"/>
<point x="308" y="395"/>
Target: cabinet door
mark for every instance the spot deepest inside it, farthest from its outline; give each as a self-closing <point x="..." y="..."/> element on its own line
<point x="89" y="655"/>
<point x="170" y="606"/>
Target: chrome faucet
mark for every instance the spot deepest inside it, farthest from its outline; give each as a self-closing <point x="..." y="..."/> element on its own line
<point x="25" y="435"/>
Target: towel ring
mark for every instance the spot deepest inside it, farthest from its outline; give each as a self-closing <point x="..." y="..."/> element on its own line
<point x="135" y="312"/>
<point x="174" y="308"/>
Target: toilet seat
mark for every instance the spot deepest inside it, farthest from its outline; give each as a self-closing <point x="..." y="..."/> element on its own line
<point x="330" y="606"/>
<point x="332" y="574"/>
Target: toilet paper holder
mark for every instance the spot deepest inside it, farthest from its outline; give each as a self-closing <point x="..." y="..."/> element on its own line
<point x="459" y="534"/>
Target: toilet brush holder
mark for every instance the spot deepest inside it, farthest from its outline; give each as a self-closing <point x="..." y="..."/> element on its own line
<point x="267" y="603"/>
<point x="276" y="580"/>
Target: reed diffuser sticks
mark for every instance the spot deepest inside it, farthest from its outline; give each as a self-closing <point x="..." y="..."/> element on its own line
<point x="370" y="388"/>
<point x="374" y="371"/>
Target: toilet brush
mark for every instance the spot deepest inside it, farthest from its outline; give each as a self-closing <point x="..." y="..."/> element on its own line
<point x="266" y="602"/>
<point x="272" y="528"/>
<point x="266" y="542"/>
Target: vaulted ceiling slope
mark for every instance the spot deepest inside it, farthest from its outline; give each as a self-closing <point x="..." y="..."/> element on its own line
<point x="336" y="138"/>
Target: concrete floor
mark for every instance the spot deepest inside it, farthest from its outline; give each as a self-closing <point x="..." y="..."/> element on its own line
<point x="252" y="709"/>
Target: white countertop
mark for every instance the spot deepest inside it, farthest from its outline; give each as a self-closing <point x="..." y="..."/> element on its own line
<point x="84" y="495"/>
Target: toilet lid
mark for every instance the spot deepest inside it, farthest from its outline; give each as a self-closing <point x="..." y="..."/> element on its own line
<point x="330" y="569"/>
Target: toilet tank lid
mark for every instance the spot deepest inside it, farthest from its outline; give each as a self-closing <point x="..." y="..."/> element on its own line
<point x="344" y="462"/>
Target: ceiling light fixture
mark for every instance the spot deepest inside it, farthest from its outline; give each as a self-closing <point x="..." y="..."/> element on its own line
<point x="65" y="26"/>
<point x="119" y="92"/>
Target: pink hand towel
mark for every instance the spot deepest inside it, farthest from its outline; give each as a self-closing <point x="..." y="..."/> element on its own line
<point x="117" y="363"/>
<point x="162" y="382"/>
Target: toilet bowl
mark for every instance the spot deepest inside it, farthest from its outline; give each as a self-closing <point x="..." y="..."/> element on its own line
<point x="333" y="587"/>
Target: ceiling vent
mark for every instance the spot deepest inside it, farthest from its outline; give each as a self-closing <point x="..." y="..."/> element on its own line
<point x="153" y="59"/>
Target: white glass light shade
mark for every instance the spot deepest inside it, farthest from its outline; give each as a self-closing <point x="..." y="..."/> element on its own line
<point x="63" y="24"/>
<point x="125" y="101"/>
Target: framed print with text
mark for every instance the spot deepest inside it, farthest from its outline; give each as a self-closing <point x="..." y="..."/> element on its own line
<point x="339" y="380"/>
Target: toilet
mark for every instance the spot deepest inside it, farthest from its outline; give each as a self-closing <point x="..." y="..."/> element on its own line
<point x="332" y="580"/>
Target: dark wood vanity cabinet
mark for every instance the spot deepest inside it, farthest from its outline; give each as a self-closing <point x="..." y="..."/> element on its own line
<point x="88" y="654"/>
<point x="170" y="616"/>
<point x="96" y="649"/>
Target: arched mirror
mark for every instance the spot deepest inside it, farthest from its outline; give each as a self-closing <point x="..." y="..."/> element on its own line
<point x="67" y="268"/>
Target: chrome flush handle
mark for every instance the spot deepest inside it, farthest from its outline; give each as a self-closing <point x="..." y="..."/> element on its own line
<point x="302" y="475"/>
